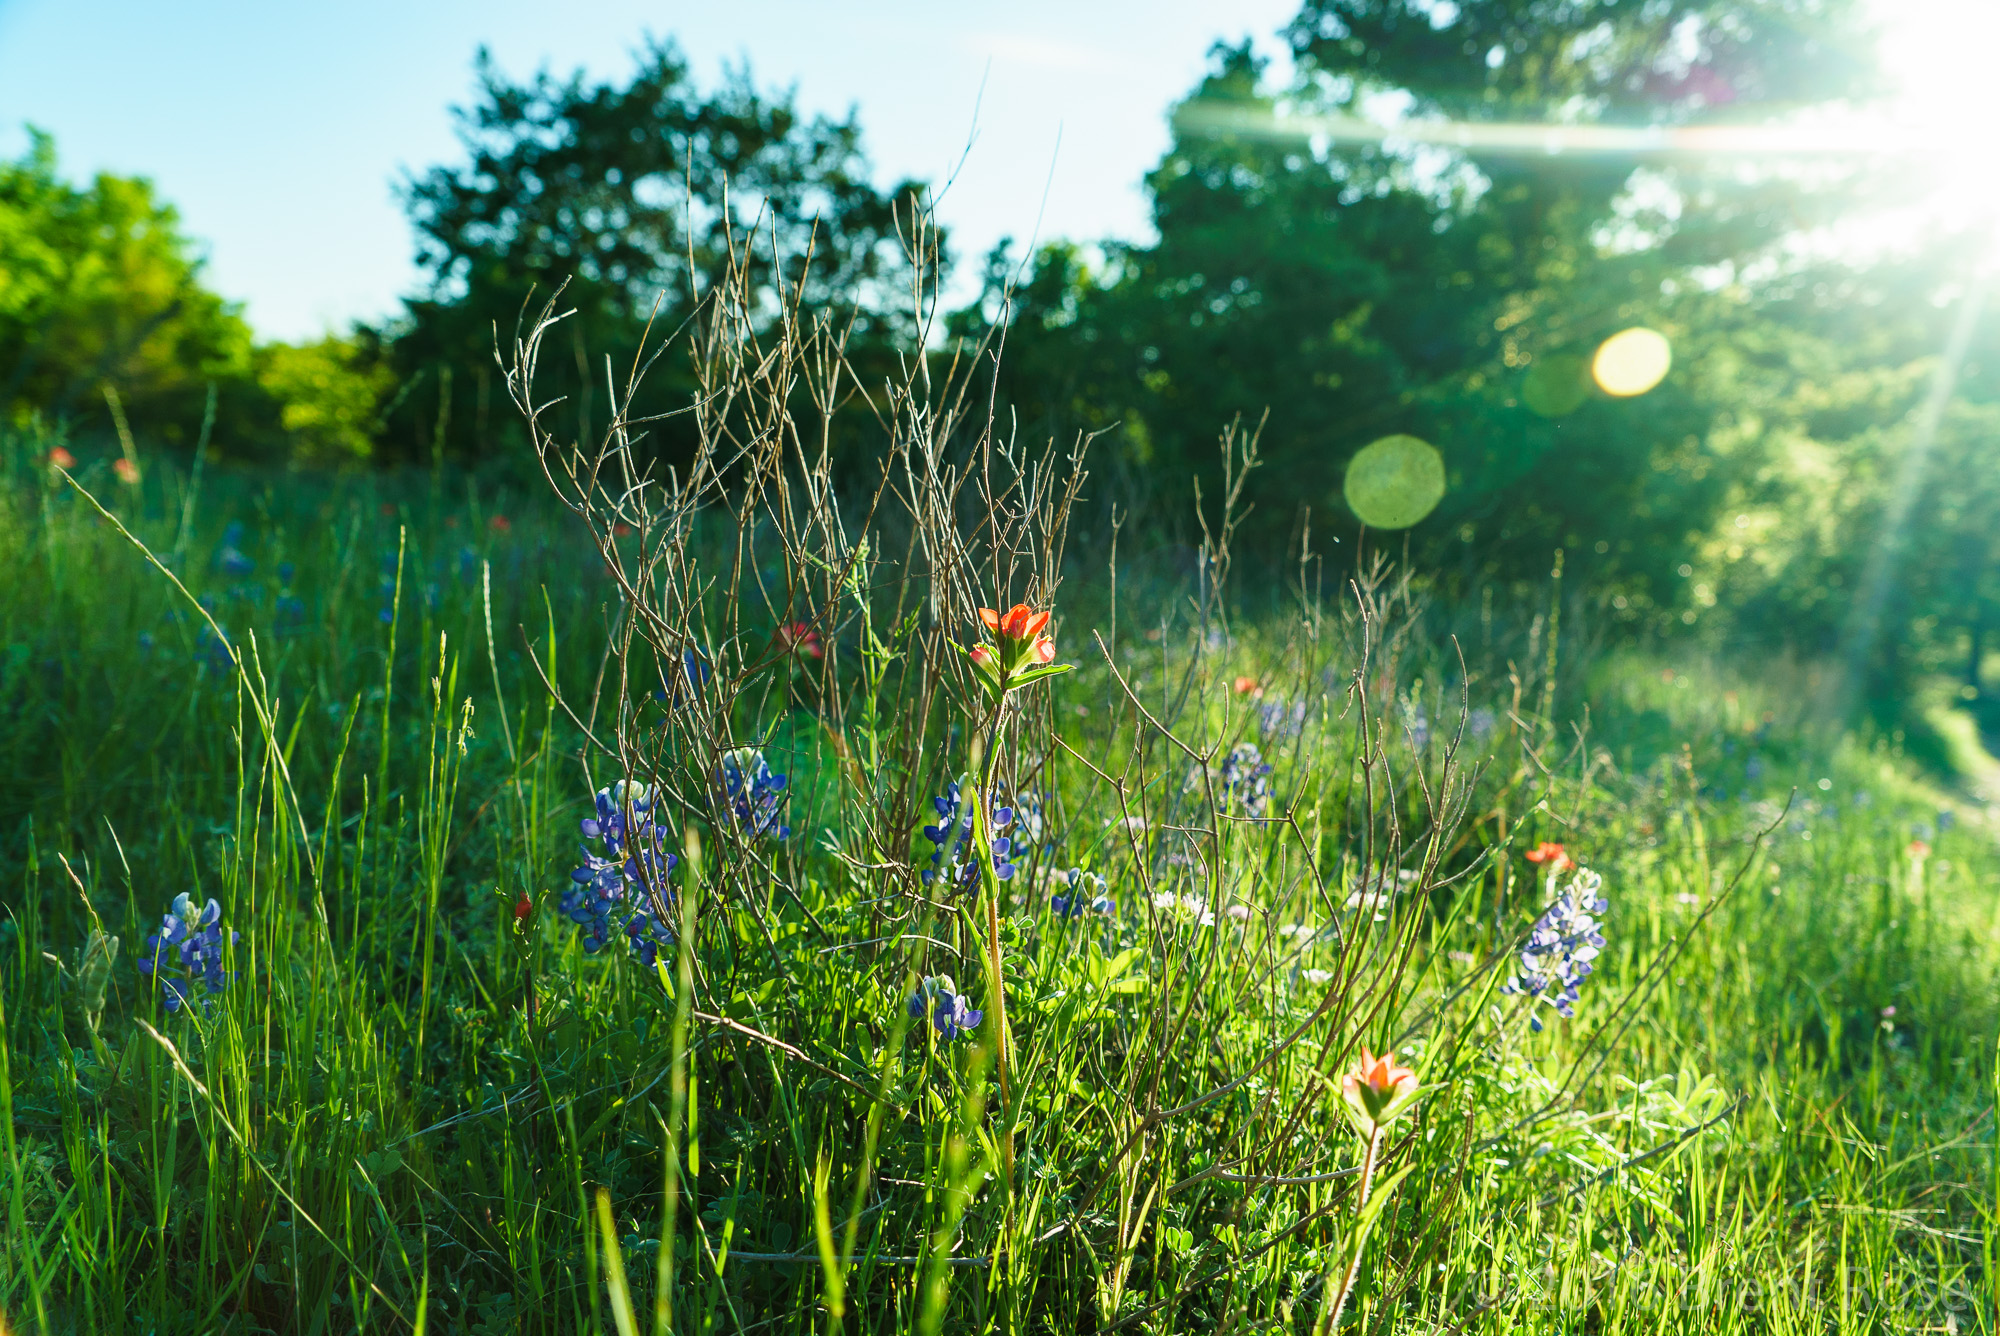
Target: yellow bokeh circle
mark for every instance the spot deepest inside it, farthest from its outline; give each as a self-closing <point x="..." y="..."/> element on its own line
<point x="1631" y="362"/>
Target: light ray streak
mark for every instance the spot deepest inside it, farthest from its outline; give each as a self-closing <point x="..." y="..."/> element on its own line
<point x="1546" y="138"/>
<point x="1878" y="577"/>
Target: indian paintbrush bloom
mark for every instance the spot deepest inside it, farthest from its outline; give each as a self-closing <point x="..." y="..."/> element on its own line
<point x="61" y="459"/>
<point x="1378" y="1091"/>
<point x="127" y="471"/>
<point x="753" y="793"/>
<point x="937" y="999"/>
<point x="1021" y="651"/>
<point x="1561" y="946"/>
<point x="185" y="951"/>
<point x="1553" y="854"/>
<point x="800" y="638"/>
<point x="951" y="840"/>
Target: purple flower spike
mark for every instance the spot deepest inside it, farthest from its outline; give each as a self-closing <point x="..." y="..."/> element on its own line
<point x="605" y="888"/>
<point x="185" y="951"/>
<point x="938" y="999"/>
<point x="1561" y="946"/>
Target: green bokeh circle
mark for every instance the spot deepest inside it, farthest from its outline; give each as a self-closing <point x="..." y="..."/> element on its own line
<point x="1394" y="482"/>
<point x="1556" y="385"/>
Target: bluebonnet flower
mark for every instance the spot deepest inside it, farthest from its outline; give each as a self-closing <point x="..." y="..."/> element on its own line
<point x="938" y="999"/>
<point x="286" y="572"/>
<point x="1481" y="723"/>
<point x="684" y="680"/>
<point x="291" y="612"/>
<point x="185" y="951"/>
<point x="753" y="793"/>
<point x="233" y="563"/>
<point x="1240" y="781"/>
<point x="1030" y="819"/>
<point x="1086" y="892"/>
<point x="633" y="860"/>
<point x="648" y="932"/>
<point x="1417" y="725"/>
<point x="1946" y="819"/>
<point x="1564" y="941"/>
<point x="1281" y="720"/>
<point x="145" y="642"/>
<point x="208" y="645"/>
<point x="951" y="839"/>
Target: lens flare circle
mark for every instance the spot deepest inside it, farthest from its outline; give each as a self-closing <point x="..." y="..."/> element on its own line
<point x="1631" y="362"/>
<point x="1394" y="482"/>
<point x="1556" y="385"/>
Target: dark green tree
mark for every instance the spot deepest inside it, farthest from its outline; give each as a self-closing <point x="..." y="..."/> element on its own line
<point x="636" y="195"/>
<point x="1354" y="289"/>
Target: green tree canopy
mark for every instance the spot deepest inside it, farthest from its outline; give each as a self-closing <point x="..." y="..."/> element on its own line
<point x="101" y="286"/>
<point x="1355" y="289"/>
<point x="637" y="195"/>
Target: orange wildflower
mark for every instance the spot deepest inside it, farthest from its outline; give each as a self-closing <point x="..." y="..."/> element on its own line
<point x="127" y="471"/>
<point x="1247" y="686"/>
<point x="1378" y="1088"/>
<point x="61" y="458"/>
<point x="1553" y="854"/>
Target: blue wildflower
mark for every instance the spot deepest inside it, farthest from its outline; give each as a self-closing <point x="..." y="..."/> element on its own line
<point x="753" y="793"/>
<point x="1281" y="720"/>
<point x="648" y="932"/>
<point x="291" y="612"/>
<point x="684" y="680"/>
<point x="633" y="863"/>
<point x="1240" y="781"/>
<point x="953" y="834"/>
<point x="1417" y="726"/>
<point x="286" y="572"/>
<point x="937" y="999"/>
<point x="1086" y="893"/>
<point x="185" y="951"/>
<point x="1560" y="948"/>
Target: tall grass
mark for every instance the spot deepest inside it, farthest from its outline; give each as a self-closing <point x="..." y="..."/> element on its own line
<point x="418" y="1102"/>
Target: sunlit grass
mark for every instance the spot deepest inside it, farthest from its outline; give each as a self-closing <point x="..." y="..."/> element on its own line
<point x="403" y="1108"/>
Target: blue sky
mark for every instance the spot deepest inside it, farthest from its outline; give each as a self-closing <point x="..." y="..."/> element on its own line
<point x="279" y="129"/>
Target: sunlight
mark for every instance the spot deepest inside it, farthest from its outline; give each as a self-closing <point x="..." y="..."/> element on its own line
<point x="1938" y="58"/>
<point x="1631" y="362"/>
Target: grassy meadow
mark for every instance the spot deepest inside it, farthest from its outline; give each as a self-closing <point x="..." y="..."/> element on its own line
<point x="413" y="1099"/>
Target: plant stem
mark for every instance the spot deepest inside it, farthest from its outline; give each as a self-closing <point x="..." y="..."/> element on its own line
<point x="1368" y="1162"/>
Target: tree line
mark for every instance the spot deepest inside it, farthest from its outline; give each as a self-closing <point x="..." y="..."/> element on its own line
<point x="1326" y="288"/>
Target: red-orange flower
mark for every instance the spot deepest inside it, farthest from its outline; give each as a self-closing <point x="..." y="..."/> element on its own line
<point x="61" y="458"/>
<point x="523" y="907"/>
<point x="1043" y="650"/>
<point x="127" y="471"/>
<point x="800" y="638"/>
<point x="1919" y="850"/>
<point x="1247" y="686"/>
<point x="500" y="524"/>
<point x="1378" y="1088"/>
<point x="1553" y="854"/>
<point x="984" y="656"/>
<point x="1019" y="622"/>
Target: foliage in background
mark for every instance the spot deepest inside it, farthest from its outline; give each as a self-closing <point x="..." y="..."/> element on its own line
<point x="634" y="197"/>
<point x="99" y="286"/>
